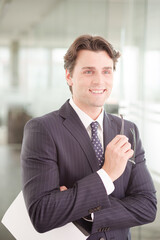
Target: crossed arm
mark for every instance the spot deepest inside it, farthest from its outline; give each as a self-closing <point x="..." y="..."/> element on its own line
<point x="49" y="206"/>
<point x="136" y="208"/>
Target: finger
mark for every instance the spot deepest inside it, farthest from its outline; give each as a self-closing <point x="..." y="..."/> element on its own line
<point x="129" y="154"/>
<point x="121" y="142"/>
<point x="63" y="188"/>
<point x="117" y="138"/>
<point x="126" y="147"/>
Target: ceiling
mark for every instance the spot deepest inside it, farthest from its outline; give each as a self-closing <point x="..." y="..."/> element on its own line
<point x="19" y="17"/>
<point x="57" y="22"/>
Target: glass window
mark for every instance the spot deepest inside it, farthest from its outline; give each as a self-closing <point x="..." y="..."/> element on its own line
<point x="4" y="68"/>
<point x="152" y="76"/>
<point x="33" y="67"/>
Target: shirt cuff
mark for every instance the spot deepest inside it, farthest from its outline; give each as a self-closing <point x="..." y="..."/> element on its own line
<point x="108" y="184"/>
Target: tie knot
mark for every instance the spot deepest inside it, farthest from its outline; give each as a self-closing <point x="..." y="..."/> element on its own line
<point x="94" y="126"/>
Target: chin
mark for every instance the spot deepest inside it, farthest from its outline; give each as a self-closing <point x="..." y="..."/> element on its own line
<point x="97" y="104"/>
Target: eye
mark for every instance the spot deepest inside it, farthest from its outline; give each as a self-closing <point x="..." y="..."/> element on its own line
<point x="88" y="72"/>
<point x="106" y="72"/>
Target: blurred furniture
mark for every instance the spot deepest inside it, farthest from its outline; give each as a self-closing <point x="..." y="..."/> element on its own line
<point x="112" y="108"/>
<point x="17" y="117"/>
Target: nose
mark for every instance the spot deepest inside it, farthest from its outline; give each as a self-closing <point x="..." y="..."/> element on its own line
<point x="98" y="78"/>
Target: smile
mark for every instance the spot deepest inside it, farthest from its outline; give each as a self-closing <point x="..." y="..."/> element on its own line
<point x="100" y="91"/>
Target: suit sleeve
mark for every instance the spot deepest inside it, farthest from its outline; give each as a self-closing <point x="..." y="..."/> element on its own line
<point x="47" y="206"/>
<point x="139" y="204"/>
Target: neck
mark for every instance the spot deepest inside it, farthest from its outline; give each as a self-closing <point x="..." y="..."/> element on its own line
<point x="92" y="112"/>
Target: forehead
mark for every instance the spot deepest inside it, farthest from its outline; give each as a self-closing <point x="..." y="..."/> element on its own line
<point x="93" y="58"/>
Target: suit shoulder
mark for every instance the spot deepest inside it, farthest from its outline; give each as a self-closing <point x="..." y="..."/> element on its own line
<point x="117" y="120"/>
<point x="46" y="120"/>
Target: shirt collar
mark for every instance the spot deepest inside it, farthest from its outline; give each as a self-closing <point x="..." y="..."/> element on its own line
<point x="85" y="119"/>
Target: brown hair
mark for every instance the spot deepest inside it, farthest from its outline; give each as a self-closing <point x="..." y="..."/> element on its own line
<point x="88" y="42"/>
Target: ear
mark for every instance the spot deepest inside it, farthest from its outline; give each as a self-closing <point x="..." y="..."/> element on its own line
<point x="69" y="78"/>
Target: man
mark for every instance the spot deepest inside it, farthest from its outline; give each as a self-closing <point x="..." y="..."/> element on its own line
<point x="76" y="165"/>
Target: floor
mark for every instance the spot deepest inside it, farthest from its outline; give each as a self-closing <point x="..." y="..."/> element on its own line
<point x="10" y="186"/>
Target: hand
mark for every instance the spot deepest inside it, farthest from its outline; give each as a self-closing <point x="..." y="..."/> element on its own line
<point x="117" y="153"/>
<point x="63" y="188"/>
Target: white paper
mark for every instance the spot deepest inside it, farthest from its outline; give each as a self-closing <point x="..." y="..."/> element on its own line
<point x="17" y="221"/>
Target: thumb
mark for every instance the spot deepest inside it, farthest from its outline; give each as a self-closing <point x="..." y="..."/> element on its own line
<point x="63" y="188"/>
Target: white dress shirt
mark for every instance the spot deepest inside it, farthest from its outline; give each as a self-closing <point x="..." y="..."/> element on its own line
<point x="86" y="120"/>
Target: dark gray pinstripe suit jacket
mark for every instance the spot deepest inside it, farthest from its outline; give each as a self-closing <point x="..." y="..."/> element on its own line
<point x="57" y="151"/>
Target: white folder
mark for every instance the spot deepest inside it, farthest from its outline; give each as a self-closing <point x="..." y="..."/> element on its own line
<point x="17" y="221"/>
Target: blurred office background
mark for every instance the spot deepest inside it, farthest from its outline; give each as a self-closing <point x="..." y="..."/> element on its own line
<point x="34" y="36"/>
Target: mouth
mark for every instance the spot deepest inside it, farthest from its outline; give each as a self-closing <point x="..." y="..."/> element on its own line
<point x="97" y="91"/>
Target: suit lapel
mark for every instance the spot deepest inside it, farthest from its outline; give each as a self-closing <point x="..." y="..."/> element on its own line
<point x="109" y="132"/>
<point x="74" y="125"/>
<point x="78" y="131"/>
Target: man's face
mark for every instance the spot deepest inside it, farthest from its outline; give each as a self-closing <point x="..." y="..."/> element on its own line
<point x="91" y="80"/>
